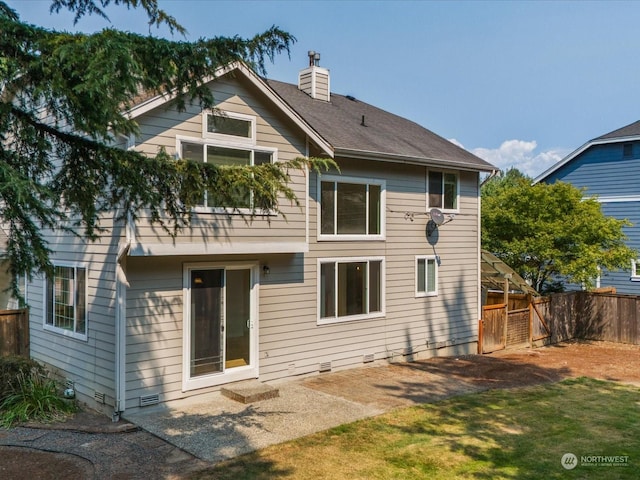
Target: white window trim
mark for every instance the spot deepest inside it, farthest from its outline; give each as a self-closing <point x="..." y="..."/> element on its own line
<point x="445" y="210"/>
<point x="233" y="145"/>
<point x="415" y="265"/>
<point x="238" y="373"/>
<point x="45" y="304"/>
<point x="359" y="180"/>
<point x="229" y="138"/>
<point x="351" y="318"/>
<point x="635" y="271"/>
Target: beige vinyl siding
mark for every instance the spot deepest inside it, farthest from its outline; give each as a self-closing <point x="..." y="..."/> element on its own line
<point x="290" y="340"/>
<point x="415" y="323"/>
<point x="89" y="364"/>
<point x="160" y="127"/>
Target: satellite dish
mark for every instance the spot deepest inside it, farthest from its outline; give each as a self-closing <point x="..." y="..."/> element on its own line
<point x="436" y="216"/>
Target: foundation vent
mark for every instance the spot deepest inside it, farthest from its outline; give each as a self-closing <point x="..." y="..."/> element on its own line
<point x="147" y="400"/>
<point x="368" y="358"/>
<point x="325" y="367"/>
<point x="98" y="397"/>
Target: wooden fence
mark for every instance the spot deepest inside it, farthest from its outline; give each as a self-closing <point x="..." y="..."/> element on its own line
<point x="564" y="316"/>
<point x="592" y="316"/>
<point x="14" y="332"/>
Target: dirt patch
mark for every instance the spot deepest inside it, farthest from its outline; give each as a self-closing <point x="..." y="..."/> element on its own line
<point x="18" y="462"/>
<point x="405" y="384"/>
<point x="129" y="453"/>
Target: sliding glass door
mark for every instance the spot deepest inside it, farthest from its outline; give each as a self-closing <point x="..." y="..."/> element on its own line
<point x="220" y="324"/>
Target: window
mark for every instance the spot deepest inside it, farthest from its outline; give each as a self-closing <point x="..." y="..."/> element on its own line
<point x="229" y="126"/>
<point x="635" y="271"/>
<point x="222" y="156"/>
<point x="627" y="150"/>
<point x="66" y="294"/>
<point x="442" y="188"/>
<point x="350" y="289"/>
<point x="426" y="276"/>
<point x="351" y="207"/>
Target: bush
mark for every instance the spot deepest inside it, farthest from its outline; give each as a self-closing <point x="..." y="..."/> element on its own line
<point x="28" y="394"/>
<point x="10" y="370"/>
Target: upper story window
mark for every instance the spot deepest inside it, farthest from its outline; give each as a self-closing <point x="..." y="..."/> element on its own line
<point x="229" y="126"/>
<point x="426" y="276"/>
<point x="351" y="208"/>
<point x="442" y="190"/>
<point x="225" y="155"/>
<point x="66" y="300"/>
<point x="627" y="150"/>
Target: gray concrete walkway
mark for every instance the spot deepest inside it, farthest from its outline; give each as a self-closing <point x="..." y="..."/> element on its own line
<point x="214" y="428"/>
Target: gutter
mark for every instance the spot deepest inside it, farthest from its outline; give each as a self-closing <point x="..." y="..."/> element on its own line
<point x="410" y="160"/>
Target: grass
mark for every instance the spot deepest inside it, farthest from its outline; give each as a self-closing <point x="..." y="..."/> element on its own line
<point x="498" y="434"/>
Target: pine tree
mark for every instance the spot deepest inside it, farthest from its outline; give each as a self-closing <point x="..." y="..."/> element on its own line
<point x="63" y="103"/>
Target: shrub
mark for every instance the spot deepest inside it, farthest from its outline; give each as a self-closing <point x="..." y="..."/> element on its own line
<point x="30" y="395"/>
<point x="10" y="370"/>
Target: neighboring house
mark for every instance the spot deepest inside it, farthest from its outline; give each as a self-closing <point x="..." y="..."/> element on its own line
<point x="609" y="167"/>
<point x="347" y="278"/>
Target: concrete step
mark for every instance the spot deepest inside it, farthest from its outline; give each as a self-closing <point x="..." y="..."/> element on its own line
<point x="249" y="391"/>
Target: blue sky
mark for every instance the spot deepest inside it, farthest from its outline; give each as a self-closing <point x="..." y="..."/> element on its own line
<point x="518" y="83"/>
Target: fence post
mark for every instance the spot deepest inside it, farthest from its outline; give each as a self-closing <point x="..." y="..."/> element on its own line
<point x="530" y="322"/>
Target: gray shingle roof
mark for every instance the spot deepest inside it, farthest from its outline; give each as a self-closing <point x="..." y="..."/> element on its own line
<point x="383" y="134"/>
<point x="631" y="130"/>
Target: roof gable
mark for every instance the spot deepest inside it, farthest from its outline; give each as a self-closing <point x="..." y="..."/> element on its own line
<point x="627" y="133"/>
<point x="346" y="126"/>
<point x="147" y="104"/>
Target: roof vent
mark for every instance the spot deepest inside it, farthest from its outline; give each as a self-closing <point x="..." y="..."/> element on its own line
<point x="314" y="80"/>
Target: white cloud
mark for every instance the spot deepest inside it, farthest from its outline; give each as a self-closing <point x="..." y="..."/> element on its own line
<point x="519" y="154"/>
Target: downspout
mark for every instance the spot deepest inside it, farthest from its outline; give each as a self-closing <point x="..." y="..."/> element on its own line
<point x="479" y="256"/>
<point x="121" y="320"/>
<point x="307" y="203"/>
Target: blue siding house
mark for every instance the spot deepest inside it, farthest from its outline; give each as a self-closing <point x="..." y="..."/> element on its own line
<point x="609" y="167"/>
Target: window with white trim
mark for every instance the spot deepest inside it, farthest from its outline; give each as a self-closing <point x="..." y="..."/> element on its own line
<point x="229" y="126"/>
<point x="442" y="190"/>
<point x="350" y="289"/>
<point x="635" y="270"/>
<point x="426" y="276"/>
<point x="66" y="300"/>
<point x="225" y="156"/>
<point x="351" y="207"/>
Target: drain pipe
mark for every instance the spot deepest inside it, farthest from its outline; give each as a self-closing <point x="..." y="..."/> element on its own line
<point x="120" y="323"/>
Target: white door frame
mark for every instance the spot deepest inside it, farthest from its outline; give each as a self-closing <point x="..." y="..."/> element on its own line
<point x="234" y="374"/>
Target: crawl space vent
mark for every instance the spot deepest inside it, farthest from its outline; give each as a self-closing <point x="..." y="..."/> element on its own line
<point x="98" y="397"/>
<point x="368" y="358"/>
<point x="146" y="400"/>
<point x="325" y="367"/>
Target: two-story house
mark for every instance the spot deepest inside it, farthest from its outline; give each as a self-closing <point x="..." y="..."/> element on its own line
<point x="348" y="277"/>
<point x="607" y="167"/>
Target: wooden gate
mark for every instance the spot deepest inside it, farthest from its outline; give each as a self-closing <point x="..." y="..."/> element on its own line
<point x="501" y="328"/>
<point x="492" y="335"/>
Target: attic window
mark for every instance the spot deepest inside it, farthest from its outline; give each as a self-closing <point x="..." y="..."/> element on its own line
<point x="230" y="126"/>
<point x="627" y="150"/>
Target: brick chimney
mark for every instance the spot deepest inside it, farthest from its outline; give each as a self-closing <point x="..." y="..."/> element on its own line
<point x="314" y="80"/>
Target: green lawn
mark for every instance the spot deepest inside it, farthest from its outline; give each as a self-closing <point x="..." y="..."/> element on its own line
<point x="499" y="434"/>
